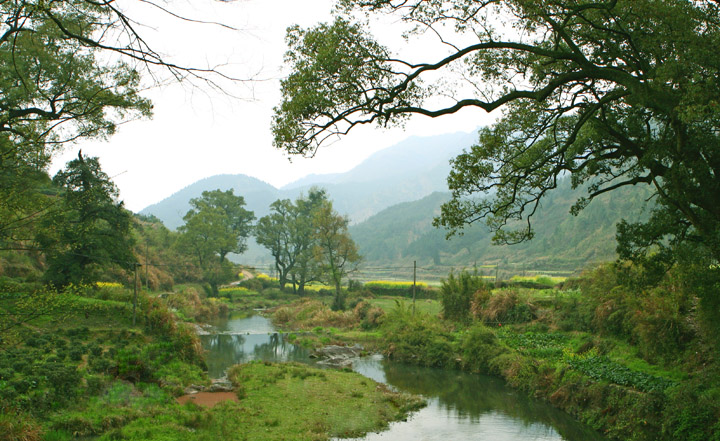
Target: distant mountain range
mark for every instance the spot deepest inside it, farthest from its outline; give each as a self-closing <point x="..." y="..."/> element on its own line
<point x="392" y="197"/>
<point x="404" y="172"/>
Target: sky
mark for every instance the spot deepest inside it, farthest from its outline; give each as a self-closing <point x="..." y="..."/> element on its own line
<point x="197" y="132"/>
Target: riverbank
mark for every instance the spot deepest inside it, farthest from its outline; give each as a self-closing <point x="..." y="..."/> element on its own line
<point x="86" y="371"/>
<point x="652" y="386"/>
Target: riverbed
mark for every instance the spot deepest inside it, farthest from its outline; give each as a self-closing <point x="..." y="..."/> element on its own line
<point x="461" y="406"/>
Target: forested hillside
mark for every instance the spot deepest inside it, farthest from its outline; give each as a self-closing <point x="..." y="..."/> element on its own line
<point x="404" y="233"/>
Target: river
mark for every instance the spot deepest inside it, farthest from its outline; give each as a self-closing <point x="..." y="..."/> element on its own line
<point x="461" y="406"/>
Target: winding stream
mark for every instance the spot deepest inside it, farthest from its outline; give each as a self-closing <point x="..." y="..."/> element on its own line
<point x="461" y="406"/>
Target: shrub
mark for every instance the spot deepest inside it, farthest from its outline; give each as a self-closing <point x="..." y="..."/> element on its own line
<point x="457" y="293"/>
<point x="418" y="338"/>
<point x="506" y="306"/>
<point x="477" y="347"/>
<point x="19" y="427"/>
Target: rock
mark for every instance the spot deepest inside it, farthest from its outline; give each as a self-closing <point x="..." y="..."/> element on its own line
<point x="340" y="356"/>
<point x="220" y="385"/>
<point x="193" y="389"/>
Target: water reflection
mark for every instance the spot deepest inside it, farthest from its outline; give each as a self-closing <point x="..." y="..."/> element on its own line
<point x="241" y="339"/>
<point x="461" y="406"/>
<point x="464" y="406"/>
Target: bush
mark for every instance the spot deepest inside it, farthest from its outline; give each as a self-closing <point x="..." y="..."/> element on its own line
<point x="19" y="427"/>
<point x="477" y="347"/>
<point x="504" y="306"/>
<point x="417" y="338"/>
<point x="456" y="294"/>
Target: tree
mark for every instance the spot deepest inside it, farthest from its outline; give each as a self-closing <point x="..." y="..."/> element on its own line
<point x="274" y="232"/>
<point x="288" y="232"/>
<point x="612" y="93"/>
<point x="69" y="70"/>
<point x="216" y="226"/>
<point x="334" y="250"/>
<point x="307" y="269"/>
<point x="89" y="230"/>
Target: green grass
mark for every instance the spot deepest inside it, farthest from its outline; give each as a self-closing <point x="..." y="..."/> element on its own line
<point x="427" y="306"/>
<point x="291" y="402"/>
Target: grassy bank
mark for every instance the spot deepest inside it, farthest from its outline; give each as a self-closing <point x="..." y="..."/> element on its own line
<point x="296" y="402"/>
<point x="80" y="368"/>
<point x="634" y="365"/>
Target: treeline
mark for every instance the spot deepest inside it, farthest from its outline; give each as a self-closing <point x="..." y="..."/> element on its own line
<point x="73" y="230"/>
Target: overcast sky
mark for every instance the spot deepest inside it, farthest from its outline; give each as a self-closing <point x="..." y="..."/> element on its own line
<point x="196" y="133"/>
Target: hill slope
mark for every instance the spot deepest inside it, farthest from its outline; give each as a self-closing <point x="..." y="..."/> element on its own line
<point x="256" y="193"/>
<point x="404" y="233"/>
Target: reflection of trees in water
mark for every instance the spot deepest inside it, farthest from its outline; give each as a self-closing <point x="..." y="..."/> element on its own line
<point x="472" y="396"/>
<point x="224" y="350"/>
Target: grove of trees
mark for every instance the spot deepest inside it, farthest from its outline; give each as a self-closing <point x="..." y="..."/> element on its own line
<point x="613" y="93"/>
<point x="309" y="241"/>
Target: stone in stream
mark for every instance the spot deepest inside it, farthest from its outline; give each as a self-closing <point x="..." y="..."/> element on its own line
<point x="217" y="385"/>
<point x="340" y="356"/>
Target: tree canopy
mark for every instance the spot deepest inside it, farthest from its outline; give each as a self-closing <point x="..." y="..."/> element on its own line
<point x="287" y="232"/>
<point x="88" y="230"/>
<point x="69" y="70"/>
<point x="217" y="224"/>
<point x="613" y="93"/>
<point x="334" y="250"/>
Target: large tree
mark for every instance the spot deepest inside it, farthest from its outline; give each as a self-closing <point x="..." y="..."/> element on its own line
<point x="287" y="232"/>
<point x="216" y="225"/>
<point x="611" y="93"/>
<point x="69" y="70"/>
<point x="335" y="251"/>
<point x="88" y="229"/>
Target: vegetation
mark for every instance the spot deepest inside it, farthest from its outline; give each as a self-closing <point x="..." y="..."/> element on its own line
<point x="288" y="234"/>
<point x="215" y="226"/>
<point x="310" y="242"/>
<point x="404" y="233"/>
<point x="291" y="400"/>
<point x="628" y="361"/>
<point x="641" y="111"/>
<point x="602" y="133"/>
<point x="629" y="348"/>
<point x="89" y="230"/>
<point x="335" y="251"/>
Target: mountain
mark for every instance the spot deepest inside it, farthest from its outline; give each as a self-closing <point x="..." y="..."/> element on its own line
<point x="404" y="172"/>
<point x="404" y="232"/>
<point x="256" y="193"/>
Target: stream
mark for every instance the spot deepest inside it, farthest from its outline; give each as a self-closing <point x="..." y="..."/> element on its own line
<point x="461" y="406"/>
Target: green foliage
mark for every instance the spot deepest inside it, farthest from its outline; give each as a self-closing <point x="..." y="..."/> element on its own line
<point x="216" y="225"/>
<point x="602" y="368"/>
<point x="288" y="233"/>
<point x="334" y="251"/>
<point x="456" y="293"/>
<point x="479" y="345"/>
<point x="418" y="338"/>
<point x="89" y="231"/>
<point x="56" y="89"/>
<point x="536" y="344"/>
<point x="503" y="306"/>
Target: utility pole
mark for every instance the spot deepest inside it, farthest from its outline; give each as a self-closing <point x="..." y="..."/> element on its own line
<point x="414" y="278"/>
<point x="135" y="297"/>
<point x="147" y="284"/>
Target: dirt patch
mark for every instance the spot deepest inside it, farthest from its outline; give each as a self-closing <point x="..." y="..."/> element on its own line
<point x="208" y="399"/>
